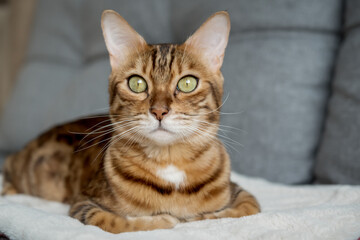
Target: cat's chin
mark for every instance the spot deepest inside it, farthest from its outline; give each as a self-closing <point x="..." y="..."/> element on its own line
<point x="162" y="136"/>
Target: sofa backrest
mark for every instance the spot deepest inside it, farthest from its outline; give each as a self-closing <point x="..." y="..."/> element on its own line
<point x="277" y="70"/>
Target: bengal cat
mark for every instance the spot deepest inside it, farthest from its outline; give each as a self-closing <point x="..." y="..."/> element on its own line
<point x="155" y="159"/>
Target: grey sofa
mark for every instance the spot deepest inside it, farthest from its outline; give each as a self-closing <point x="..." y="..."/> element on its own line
<point x="292" y="78"/>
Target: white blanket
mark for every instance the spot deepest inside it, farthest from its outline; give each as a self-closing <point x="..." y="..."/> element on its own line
<point x="288" y="212"/>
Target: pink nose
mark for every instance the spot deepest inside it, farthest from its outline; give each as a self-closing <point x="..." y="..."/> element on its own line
<point x="159" y="112"/>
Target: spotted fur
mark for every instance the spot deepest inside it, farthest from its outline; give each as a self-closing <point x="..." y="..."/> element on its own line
<point x="119" y="176"/>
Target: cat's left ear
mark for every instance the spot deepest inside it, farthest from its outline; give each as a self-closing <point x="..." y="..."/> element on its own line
<point x="211" y="38"/>
<point x="120" y="38"/>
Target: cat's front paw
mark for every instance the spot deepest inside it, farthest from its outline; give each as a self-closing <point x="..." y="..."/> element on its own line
<point x="202" y="217"/>
<point x="8" y="190"/>
<point x="165" y="221"/>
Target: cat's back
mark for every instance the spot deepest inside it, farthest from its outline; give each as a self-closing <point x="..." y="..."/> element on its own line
<point x="57" y="164"/>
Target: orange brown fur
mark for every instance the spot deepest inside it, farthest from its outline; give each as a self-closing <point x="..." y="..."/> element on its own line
<point x="110" y="176"/>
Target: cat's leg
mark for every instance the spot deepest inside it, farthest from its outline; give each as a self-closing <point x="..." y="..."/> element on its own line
<point x="242" y="204"/>
<point x="91" y="213"/>
<point x="8" y="187"/>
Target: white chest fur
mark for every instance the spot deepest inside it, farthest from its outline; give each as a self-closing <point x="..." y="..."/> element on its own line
<point x="172" y="174"/>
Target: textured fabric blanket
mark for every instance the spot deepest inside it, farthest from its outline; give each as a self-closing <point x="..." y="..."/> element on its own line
<point x="288" y="212"/>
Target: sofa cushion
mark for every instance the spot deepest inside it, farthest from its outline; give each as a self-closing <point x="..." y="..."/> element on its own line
<point x="338" y="160"/>
<point x="277" y="81"/>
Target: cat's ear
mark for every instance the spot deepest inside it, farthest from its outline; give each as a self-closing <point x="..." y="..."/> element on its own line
<point x="120" y="37"/>
<point x="211" y="38"/>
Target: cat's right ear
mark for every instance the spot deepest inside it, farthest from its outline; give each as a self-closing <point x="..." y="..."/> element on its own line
<point x="211" y="38"/>
<point x="120" y="38"/>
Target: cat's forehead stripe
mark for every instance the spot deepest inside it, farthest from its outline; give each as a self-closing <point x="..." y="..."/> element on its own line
<point x="172" y="54"/>
<point x="162" y="56"/>
<point x="153" y="57"/>
<point x="164" y="51"/>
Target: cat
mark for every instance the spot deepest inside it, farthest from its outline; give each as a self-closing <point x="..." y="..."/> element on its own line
<point x="155" y="159"/>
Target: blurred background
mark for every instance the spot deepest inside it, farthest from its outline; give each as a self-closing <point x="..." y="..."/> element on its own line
<point x="14" y="34"/>
<point x="291" y="100"/>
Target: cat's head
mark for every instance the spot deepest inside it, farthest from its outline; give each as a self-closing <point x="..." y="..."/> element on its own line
<point x="166" y="93"/>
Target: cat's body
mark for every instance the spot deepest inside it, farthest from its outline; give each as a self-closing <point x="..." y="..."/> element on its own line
<point x="168" y="181"/>
<point x="156" y="159"/>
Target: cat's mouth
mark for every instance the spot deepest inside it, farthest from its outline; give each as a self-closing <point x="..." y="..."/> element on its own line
<point x="160" y="129"/>
<point x="162" y="135"/>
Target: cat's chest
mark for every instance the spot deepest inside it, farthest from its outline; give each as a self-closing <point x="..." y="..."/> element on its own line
<point x="171" y="174"/>
<point x="162" y="189"/>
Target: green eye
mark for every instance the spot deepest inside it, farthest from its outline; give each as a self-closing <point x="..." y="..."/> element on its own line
<point x="187" y="84"/>
<point x="137" y="84"/>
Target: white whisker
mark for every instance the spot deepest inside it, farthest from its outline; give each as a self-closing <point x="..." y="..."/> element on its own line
<point x="117" y="138"/>
<point x="226" y="98"/>
<point x="96" y="131"/>
<point x="81" y="149"/>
